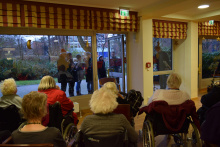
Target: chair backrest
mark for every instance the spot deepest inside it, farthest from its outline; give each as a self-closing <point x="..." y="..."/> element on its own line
<point x="9" y="143"/>
<point x="9" y="118"/>
<point x="112" y="140"/>
<point x="102" y="81"/>
<point x="55" y="115"/>
<point x="124" y="109"/>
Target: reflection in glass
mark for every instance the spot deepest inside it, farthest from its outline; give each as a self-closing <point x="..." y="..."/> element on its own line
<point x="162" y="54"/>
<point x="46" y="55"/>
<point x="160" y="81"/>
<point x="210" y="58"/>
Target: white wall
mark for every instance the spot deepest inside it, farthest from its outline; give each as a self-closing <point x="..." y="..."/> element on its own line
<point x="186" y="60"/>
<point x="141" y="51"/>
<point x="134" y="60"/>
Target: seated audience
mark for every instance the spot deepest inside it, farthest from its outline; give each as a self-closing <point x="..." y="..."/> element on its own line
<point x="34" y="109"/>
<point x="9" y="89"/>
<point x="210" y="129"/>
<point x="173" y="96"/>
<point x="104" y="122"/>
<point x="208" y="100"/>
<point x="48" y="86"/>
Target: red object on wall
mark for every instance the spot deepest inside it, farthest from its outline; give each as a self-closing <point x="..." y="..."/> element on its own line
<point x="148" y="65"/>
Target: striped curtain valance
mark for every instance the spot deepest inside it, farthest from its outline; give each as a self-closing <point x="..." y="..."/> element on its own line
<point x="111" y="20"/>
<point x="204" y="28"/>
<point x="169" y="29"/>
<point x="10" y="15"/>
<point x="56" y="16"/>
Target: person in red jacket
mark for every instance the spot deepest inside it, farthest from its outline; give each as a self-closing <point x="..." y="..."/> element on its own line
<point x="48" y="86"/>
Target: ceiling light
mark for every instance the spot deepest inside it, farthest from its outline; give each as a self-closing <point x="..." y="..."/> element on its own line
<point x="203" y="6"/>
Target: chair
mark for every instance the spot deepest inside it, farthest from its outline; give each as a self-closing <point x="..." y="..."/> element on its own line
<point x="9" y="118"/>
<point x="64" y="124"/>
<point x="113" y="140"/>
<point x="181" y="123"/>
<point x="102" y="81"/>
<point x="125" y="110"/>
<point x="9" y="143"/>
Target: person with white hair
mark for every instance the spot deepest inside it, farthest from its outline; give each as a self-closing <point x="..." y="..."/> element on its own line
<point x="173" y="96"/>
<point x="104" y="121"/>
<point x="9" y="89"/>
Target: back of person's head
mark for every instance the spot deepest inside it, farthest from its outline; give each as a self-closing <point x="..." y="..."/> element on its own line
<point x="47" y="82"/>
<point x="78" y="56"/>
<point x="34" y="105"/>
<point x="104" y="100"/>
<point x="174" y="80"/>
<point x="8" y="87"/>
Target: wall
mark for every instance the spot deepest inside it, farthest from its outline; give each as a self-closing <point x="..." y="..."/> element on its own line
<point x="186" y="60"/>
<point x="140" y="52"/>
<point x="134" y="61"/>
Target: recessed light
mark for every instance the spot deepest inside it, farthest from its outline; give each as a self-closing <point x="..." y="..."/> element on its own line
<point x="203" y="6"/>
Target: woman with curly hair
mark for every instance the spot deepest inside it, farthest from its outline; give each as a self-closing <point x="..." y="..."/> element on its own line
<point x="104" y="121"/>
<point x="9" y="89"/>
<point x="34" y="108"/>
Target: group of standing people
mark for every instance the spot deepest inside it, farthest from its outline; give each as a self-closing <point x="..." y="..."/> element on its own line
<point x="73" y="72"/>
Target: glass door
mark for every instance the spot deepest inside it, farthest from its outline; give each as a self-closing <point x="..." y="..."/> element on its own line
<point x="112" y="49"/>
<point x="162" y="59"/>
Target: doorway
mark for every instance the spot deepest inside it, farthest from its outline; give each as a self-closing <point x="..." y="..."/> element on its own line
<point x="111" y="48"/>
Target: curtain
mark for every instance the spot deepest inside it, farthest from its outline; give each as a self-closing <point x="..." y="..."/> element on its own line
<point x="105" y="19"/>
<point x="57" y="16"/>
<point x="204" y="28"/>
<point x="169" y="29"/>
<point x="10" y="15"/>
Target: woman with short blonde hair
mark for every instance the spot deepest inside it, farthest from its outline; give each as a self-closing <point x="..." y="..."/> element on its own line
<point x="47" y="82"/>
<point x="9" y="89"/>
<point x="33" y="105"/>
<point x="48" y="86"/>
<point x="104" y="121"/>
<point x="104" y="100"/>
<point x="174" y="81"/>
<point x="8" y="86"/>
<point x="34" y="109"/>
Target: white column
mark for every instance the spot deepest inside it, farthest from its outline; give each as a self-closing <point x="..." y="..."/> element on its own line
<point x="147" y="36"/>
<point x="191" y="60"/>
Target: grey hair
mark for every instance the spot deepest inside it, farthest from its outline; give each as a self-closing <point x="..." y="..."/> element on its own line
<point x="104" y="100"/>
<point x="174" y="80"/>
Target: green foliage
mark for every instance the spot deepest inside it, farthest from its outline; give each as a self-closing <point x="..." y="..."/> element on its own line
<point x="27" y="69"/>
<point x="209" y="63"/>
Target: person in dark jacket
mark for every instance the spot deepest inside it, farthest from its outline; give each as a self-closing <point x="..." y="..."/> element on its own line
<point x="208" y="100"/>
<point x="210" y="129"/>
<point x="89" y="73"/>
<point x="101" y="68"/>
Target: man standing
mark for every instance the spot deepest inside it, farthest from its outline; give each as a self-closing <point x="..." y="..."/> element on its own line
<point x="163" y="63"/>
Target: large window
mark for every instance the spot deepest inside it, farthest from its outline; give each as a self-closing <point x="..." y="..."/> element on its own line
<point x="210" y="57"/>
<point x="27" y="64"/>
<point x="162" y="59"/>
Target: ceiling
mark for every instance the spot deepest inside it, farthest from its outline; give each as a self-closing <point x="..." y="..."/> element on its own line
<point x="181" y="10"/>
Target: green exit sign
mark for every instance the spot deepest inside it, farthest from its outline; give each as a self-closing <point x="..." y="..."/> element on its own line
<point x="211" y="22"/>
<point x="124" y="12"/>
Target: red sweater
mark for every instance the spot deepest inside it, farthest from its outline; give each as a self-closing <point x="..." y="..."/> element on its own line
<point x="173" y="115"/>
<point x="54" y="95"/>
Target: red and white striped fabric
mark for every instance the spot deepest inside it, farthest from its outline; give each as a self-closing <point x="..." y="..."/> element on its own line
<point x="169" y="29"/>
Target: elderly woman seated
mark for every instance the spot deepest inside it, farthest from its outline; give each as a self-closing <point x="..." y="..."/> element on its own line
<point x="34" y="108"/>
<point x="9" y="89"/>
<point x="48" y="86"/>
<point x="173" y="96"/>
<point x="104" y="122"/>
